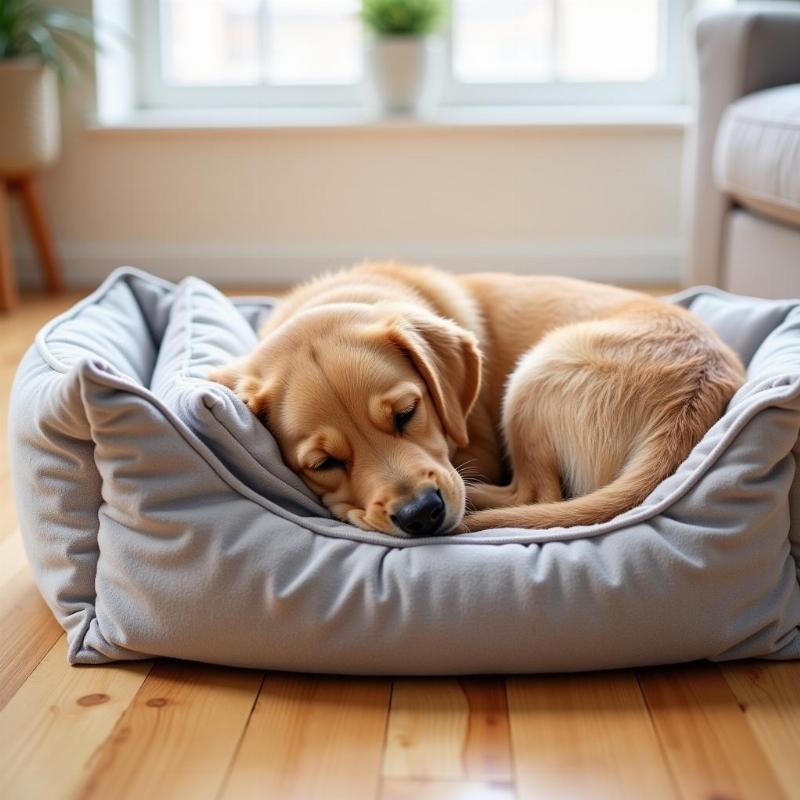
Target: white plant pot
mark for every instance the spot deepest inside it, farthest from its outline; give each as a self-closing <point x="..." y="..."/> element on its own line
<point x="30" y="127"/>
<point x="404" y="72"/>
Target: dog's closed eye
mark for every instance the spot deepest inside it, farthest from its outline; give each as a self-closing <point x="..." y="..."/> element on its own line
<point x="402" y="418"/>
<point x="327" y="464"/>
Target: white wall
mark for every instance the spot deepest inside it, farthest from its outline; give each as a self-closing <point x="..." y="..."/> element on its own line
<point x="277" y="205"/>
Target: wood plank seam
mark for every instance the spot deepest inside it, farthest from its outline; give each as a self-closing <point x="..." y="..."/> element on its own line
<point x="177" y="735"/>
<point x="240" y="739"/>
<point x="706" y="737"/>
<point x="769" y="697"/>
<point x="488" y="769"/>
<point x="587" y="735"/>
<point x="312" y="736"/>
<point x="56" y="720"/>
<point x="661" y="747"/>
<point x="28" y="630"/>
<point x="382" y="778"/>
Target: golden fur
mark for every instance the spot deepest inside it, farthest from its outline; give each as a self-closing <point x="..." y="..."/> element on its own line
<point x="568" y="401"/>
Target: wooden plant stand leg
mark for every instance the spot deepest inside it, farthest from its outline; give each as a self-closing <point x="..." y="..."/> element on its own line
<point x="8" y="283"/>
<point x="37" y="222"/>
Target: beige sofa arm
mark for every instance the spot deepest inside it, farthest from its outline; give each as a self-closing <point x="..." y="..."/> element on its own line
<point x="740" y="51"/>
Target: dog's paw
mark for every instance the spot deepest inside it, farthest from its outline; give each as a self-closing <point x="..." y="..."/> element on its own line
<point x="485" y="520"/>
<point x="468" y="524"/>
<point x="482" y="496"/>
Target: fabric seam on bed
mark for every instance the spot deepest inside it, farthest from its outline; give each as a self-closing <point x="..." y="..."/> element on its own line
<point x="112" y="379"/>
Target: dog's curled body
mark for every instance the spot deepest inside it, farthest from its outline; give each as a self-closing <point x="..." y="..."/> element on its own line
<point x="566" y="401"/>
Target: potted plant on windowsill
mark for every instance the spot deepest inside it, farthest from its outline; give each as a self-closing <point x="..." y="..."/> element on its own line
<point x="37" y="46"/>
<point x="404" y="57"/>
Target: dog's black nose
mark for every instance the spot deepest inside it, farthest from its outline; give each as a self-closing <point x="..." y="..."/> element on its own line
<point x="421" y="516"/>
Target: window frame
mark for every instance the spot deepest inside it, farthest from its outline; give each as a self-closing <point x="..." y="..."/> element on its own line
<point x="666" y="87"/>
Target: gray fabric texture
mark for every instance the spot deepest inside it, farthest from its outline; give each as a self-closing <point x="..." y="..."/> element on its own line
<point x="757" y="153"/>
<point x="738" y="51"/>
<point x="752" y="239"/>
<point x="159" y="519"/>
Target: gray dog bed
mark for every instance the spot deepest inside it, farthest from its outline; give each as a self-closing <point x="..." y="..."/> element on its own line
<point x="159" y="519"/>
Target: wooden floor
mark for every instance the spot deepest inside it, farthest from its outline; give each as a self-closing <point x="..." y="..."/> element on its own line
<point x="167" y="729"/>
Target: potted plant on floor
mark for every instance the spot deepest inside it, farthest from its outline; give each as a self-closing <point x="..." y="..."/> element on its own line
<point x="37" y="45"/>
<point x="404" y="57"/>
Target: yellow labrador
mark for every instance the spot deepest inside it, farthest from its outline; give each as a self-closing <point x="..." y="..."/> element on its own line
<point x="565" y="402"/>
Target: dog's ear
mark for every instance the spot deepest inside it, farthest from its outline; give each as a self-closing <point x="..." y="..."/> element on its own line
<point x="449" y="361"/>
<point x="240" y="377"/>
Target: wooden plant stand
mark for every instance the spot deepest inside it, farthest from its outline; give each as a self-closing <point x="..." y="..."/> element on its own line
<point x="28" y="191"/>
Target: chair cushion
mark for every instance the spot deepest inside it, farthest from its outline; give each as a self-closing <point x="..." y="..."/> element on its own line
<point x="757" y="152"/>
<point x="151" y="533"/>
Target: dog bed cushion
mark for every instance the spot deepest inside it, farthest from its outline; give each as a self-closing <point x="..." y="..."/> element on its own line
<point x="159" y="519"/>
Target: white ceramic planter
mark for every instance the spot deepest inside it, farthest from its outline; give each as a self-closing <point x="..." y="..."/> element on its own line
<point x="405" y="72"/>
<point x="30" y="128"/>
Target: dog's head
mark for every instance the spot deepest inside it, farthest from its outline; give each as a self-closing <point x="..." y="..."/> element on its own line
<point x="367" y="404"/>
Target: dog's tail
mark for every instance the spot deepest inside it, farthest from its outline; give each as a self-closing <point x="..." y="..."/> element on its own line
<point x="657" y="457"/>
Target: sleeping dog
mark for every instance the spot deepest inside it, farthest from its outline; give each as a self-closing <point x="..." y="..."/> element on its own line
<point x="404" y="396"/>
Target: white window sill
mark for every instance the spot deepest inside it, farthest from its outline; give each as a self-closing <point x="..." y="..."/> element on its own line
<point x="663" y="117"/>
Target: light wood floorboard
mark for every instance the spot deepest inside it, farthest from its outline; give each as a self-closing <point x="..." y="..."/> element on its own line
<point x="178" y="735"/>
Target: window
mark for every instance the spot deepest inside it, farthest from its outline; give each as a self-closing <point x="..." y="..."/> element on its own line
<point x="565" y="51"/>
<point x="309" y="52"/>
<point x="246" y="52"/>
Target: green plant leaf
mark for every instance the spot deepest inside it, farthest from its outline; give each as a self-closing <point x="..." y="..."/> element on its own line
<point x="78" y="55"/>
<point x="45" y="48"/>
<point x="403" y="17"/>
<point x="56" y="36"/>
<point x="66" y="22"/>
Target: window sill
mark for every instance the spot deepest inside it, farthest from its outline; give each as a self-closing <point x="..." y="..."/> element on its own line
<point x="663" y="117"/>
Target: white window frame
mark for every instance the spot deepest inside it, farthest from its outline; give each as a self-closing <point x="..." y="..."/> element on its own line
<point x="666" y="87"/>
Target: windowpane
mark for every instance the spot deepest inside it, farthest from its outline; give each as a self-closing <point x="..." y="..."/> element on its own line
<point x="210" y="42"/>
<point x="313" y="41"/>
<point x="608" y="40"/>
<point x="507" y="41"/>
<point x="502" y="40"/>
<point x="207" y="42"/>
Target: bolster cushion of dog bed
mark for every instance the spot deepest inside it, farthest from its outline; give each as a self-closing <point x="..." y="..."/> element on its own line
<point x="160" y="520"/>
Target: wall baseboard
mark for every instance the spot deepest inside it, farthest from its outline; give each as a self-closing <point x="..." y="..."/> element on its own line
<point x="637" y="261"/>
